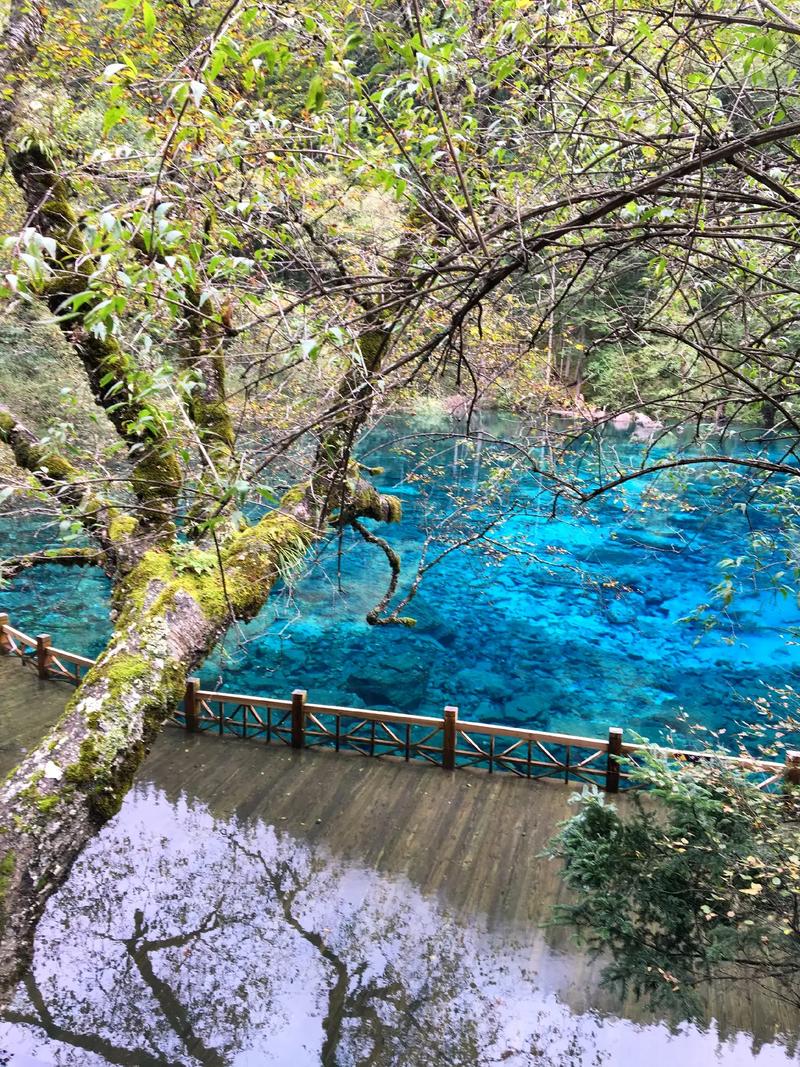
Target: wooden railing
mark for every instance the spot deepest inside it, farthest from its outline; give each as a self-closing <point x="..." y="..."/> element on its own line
<point x="446" y="742"/>
<point x="50" y="662"/>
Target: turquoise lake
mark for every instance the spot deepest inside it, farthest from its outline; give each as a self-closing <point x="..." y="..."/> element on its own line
<point x="577" y="622"/>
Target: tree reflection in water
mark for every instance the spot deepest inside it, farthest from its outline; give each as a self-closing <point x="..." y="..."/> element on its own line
<point x="181" y="939"/>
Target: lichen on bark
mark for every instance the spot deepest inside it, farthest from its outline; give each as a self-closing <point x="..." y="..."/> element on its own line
<point x="157" y="475"/>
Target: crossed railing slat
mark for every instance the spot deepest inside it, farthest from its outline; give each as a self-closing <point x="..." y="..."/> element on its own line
<point x="446" y="742"/>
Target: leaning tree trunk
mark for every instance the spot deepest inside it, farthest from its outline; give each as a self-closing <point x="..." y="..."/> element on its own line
<point x="171" y="609"/>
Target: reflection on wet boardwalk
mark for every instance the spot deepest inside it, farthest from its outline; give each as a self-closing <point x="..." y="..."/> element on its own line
<point x="27" y="708"/>
<point x="253" y="905"/>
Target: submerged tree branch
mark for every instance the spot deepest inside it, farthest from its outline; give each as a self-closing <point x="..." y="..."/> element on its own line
<point x="65" y="557"/>
<point x="376" y="617"/>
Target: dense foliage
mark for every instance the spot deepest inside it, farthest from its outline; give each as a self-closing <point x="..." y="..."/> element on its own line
<point x="538" y="202"/>
<point x="699" y="881"/>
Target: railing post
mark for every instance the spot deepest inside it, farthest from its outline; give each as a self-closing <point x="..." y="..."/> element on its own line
<point x="449" y="738"/>
<point x="5" y="640"/>
<point x="612" y="764"/>
<point x="298" y="717"/>
<point x="791" y="772"/>
<point x="191" y="705"/>
<point x="43" y="643"/>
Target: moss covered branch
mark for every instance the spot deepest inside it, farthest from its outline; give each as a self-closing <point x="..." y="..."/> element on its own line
<point x="56" y="474"/>
<point x="31" y="455"/>
<point x="65" y="557"/>
<point x="208" y="410"/>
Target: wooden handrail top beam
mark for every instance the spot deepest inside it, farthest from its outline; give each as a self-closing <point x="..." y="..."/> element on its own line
<point x="397" y="717"/>
<point x="18" y="635"/>
<point x="73" y="657"/>
<point x="240" y="698"/>
<point x="496" y="730"/>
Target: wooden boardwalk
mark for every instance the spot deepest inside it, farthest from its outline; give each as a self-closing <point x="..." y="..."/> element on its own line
<point x="28" y="707"/>
<point x="471" y="840"/>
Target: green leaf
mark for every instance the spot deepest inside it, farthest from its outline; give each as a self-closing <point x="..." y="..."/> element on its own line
<point x="259" y="49"/>
<point x="112" y="117"/>
<point x="316" y="94"/>
<point x="217" y="63"/>
<point x="149" y="17"/>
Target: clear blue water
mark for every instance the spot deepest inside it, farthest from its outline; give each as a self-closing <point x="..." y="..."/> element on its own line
<point x="572" y="623"/>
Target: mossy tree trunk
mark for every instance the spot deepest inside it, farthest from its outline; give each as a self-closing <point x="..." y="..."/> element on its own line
<point x="170" y="614"/>
<point x="172" y="600"/>
<point x="177" y="587"/>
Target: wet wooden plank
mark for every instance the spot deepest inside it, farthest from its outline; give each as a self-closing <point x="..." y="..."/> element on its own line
<point x="28" y="708"/>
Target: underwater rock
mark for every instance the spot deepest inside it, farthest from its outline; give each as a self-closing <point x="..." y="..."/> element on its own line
<point x="645" y="422"/>
<point x="621" y="613"/>
<point x="482" y="711"/>
<point x="529" y="713"/>
<point x="392" y="685"/>
<point x="486" y="683"/>
<point x="439" y="630"/>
